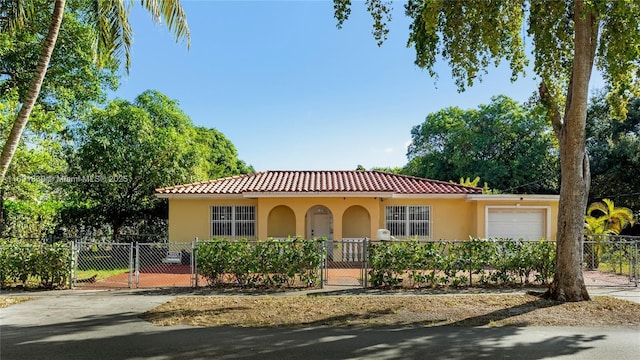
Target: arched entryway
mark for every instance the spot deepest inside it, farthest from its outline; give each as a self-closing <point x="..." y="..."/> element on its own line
<point x="356" y="223"/>
<point x="319" y="223"/>
<point x="281" y="222"/>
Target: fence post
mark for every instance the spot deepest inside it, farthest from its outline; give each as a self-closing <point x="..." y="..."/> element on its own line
<point x="322" y="247"/>
<point x="635" y="253"/>
<point x="470" y="264"/>
<point x="365" y="262"/>
<point x="130" y="280"/>
<point x="136" y="260"/>
<point x="73" y="263"/>
<point x="194" y="261"/>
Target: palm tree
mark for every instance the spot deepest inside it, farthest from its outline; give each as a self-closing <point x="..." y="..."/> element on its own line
<point x="113" y="38"/>
<point x="612" y="221"/>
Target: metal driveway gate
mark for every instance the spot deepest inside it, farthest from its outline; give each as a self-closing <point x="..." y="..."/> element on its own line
<point x="103" y="265"/>
<point x="133" y="265"/>
<point x="164" y="265"/>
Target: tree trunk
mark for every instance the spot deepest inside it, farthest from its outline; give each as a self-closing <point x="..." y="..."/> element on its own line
<point x="568" y="283"/>
<point x="1" y="209"/>
<point x="29" y="102"/>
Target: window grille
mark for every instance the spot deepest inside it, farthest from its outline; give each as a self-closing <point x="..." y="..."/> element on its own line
<point x="408" y="221"/>
<point x="233" y="221"/>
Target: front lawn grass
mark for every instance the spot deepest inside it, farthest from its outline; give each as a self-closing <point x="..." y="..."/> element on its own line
<point x="393" y="310"/>
<point x="100" y="274"/>
<point x="618" y="268"/>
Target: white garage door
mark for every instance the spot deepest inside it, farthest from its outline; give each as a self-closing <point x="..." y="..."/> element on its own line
<point x="516" y="223"/>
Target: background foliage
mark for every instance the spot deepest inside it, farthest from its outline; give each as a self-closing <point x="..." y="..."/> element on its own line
<point x="614" y="149"/>
<point x="509" y="146"/>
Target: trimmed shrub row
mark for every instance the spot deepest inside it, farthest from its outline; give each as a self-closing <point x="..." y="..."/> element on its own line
<point x="473" y="262"/>
<point x="34" y="264"/>
<point x="297" y="262"/>
<point x="270" y="263"/>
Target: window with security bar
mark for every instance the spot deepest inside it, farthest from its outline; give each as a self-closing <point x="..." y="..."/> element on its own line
<point x="408" y="221"/>
<point x="233" y="222"/>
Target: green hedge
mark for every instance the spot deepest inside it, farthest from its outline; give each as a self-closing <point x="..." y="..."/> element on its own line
<point x="34" y="264"/>
<point x="461" y="263"/>
<point x="270" y="263"/>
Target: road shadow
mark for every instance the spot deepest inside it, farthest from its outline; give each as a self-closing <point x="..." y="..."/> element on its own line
<point x="124" y="336"/>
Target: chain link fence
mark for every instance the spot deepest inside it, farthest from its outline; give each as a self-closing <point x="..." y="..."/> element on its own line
<point x="133" y="265"/>
<point x="164" y="265"/>
<point x="606" y="260"/>
<point x="610" y="260"/>
<point x="103" y="265"/>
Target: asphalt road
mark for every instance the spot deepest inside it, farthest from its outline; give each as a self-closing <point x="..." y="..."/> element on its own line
<point x="105" y="325"/>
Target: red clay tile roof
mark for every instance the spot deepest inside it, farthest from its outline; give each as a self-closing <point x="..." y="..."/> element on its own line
<point x="342" y="181"/>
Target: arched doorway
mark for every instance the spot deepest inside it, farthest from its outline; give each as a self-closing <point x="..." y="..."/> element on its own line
<point x="319" y="223"/>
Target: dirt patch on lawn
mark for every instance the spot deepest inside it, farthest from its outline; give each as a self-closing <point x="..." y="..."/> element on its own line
<point x="6" y="301"/>
<point x="395" y="310"/>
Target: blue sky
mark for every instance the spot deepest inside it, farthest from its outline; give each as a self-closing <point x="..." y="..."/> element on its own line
<point x="291" y="91"/>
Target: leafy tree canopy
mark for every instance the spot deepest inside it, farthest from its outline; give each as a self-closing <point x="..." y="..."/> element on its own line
<point x="127" y="150"/>
<point x="109" y="35"/>
<point x="75" y="85"/>
<point x="74" y="81"/>
<point x="218" y="155"/>
<point x="614" y="149"/>
<point x="510" y="147"/>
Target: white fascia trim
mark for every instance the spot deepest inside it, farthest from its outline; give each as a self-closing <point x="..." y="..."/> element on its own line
<point x="512" y="197"/>
<point x="429" y="196"/>
<point x="200" y="196"/>
<point x="287" y="194"/>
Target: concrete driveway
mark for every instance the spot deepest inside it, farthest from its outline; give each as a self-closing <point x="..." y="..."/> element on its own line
<point x="105" y="325"/>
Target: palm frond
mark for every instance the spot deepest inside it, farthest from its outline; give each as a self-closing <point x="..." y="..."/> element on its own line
<point x="113" y="33"/>
<point x="173" y="15"/>
<point x="613" y="220"/>
<point x="597" y="206"/>
<point x="14" y="14"/>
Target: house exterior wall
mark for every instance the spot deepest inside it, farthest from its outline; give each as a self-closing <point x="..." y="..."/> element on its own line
<point x="451" y="218"/>
<point x="356" y="222"/>
<point x="191" y="218"/>
<point x="336" y="205"/>
<point x="352" y="217"/>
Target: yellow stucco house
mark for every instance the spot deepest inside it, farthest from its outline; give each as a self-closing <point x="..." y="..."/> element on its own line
<point x="349" y="205"/>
